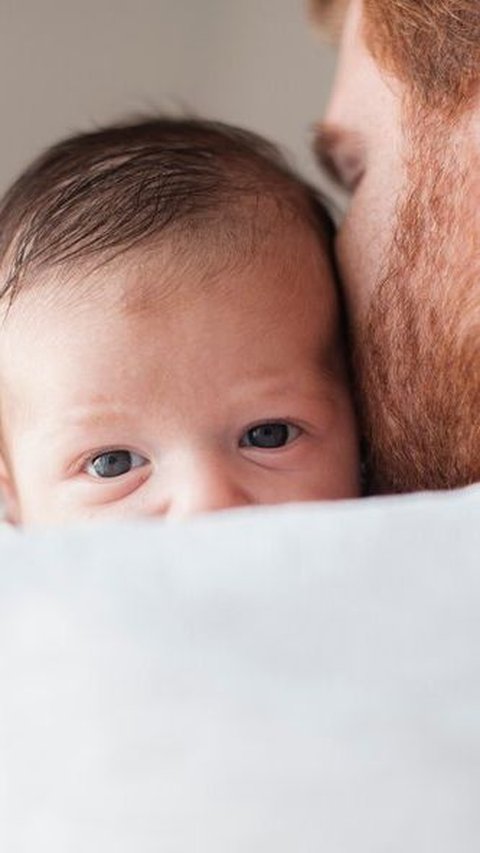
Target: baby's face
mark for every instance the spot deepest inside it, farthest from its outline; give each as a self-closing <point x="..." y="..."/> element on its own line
<point x="161" y="385"/>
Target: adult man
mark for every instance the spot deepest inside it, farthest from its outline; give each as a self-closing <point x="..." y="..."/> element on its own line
<point x="402" y="134"/>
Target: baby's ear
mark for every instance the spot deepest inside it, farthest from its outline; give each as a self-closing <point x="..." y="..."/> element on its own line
<point x="9" y="509"/>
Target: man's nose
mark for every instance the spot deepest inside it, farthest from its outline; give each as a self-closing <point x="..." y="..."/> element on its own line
<point x="205" y="485"/>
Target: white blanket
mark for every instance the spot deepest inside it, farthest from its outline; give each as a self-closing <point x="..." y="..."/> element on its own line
<point x="297" y="680"/>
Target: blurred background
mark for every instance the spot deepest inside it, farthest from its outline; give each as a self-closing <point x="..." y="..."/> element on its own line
<point x="67" y="66"/>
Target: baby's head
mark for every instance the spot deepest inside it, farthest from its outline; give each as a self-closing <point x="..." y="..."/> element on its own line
<point x="170" y="337"/>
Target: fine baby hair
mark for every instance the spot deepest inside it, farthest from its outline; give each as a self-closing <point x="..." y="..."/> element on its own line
<point x="97" y="194"/>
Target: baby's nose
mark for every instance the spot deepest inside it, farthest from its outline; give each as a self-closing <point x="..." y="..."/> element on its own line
<point x="206" y="485"/>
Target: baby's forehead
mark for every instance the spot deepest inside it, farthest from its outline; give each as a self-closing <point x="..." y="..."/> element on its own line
<point x="193" y="266"/>
<point x="279" y="257"/>
<point x="164" y="309"/>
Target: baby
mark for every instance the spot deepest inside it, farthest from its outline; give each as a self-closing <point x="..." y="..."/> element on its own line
<point x="170" y="338"/>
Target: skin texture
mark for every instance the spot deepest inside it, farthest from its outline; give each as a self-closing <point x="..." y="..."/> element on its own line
<point x="408" y="255"/>
<point x="259" y="343"/>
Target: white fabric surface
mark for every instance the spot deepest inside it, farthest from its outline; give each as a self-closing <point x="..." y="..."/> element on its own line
<point x="304" y="679"/>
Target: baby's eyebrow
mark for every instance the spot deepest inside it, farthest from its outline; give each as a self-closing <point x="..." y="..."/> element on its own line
<point x="93" y="412"/>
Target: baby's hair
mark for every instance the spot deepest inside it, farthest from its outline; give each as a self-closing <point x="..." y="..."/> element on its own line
<point x="101" y="193"/>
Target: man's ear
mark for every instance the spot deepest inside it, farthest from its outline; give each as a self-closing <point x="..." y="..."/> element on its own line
<point x="9" y="508"/>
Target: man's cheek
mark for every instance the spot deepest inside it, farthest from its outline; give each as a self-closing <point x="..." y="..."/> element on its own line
<point x="357" y="248"/>
<point x="364" y="241"/>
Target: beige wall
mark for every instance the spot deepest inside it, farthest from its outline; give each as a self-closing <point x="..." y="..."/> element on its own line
<point x="67" y="65"/>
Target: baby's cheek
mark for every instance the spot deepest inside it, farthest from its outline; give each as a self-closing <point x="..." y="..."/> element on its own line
<point x="343" y="452"/>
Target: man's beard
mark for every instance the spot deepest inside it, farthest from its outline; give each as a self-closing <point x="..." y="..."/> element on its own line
<point x="418" y="351"/>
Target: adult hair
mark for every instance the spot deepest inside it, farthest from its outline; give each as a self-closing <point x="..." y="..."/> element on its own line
<point x="431" y="45"/>
<point x="101" y="193"/>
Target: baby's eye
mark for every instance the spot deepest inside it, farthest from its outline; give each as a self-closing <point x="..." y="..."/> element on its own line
<point x="270" y="435"/>
<point x="114" y="463"/>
